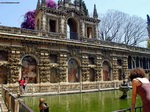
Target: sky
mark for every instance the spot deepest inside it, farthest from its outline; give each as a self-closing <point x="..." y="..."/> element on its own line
<point x="12" y="11"/>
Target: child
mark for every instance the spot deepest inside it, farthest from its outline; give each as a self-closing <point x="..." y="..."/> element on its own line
<point x="43" y="106"/>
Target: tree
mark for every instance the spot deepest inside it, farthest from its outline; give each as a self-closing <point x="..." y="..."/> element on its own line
<point x="29" y="20"/>
<point x="148" y="43"/>
<point x="148" y="28"/>
<point x="119" y="27"/>
<point x="29" y="17"/>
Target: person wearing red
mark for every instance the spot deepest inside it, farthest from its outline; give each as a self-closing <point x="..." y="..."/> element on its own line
<point x="21" y="85"/>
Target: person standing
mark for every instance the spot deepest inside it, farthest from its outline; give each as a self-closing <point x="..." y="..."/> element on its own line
<point x="141" y="87"/>
<point x="21" y="85"/>
<point x="43" y="105"/>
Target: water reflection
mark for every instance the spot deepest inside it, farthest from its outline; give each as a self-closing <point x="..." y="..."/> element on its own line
<point x="106" y="101"/>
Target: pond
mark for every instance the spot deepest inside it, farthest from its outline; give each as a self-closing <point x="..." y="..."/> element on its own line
<point x="104" y="101"/>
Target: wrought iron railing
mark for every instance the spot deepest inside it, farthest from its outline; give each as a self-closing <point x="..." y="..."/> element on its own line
<point x="137" y="109"/>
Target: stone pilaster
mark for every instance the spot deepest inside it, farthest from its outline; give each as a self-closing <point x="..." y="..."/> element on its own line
<point x="114" y="69"/>
<point x="98" y="68"/>
<point x="44" y="68"/>
<point x="14" y="66"/>
<point x="84" y="69"/>
<point x="62" y="67"/>
<point x="125" y="67"/>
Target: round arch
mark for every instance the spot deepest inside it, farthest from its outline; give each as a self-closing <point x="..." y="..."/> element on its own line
<point x="29" y="68"/>
<point x="106" y="71"/>
<point x="73" y="70"/>
<point x="72" y="28"/>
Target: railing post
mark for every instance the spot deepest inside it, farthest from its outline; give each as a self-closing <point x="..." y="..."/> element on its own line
<point x="9" y="101"/>
<point x="16" y="109"/>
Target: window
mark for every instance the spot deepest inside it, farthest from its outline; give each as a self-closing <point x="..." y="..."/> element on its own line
<point x="119" y="62"/>
<point x="3" y="56"/>
<point x="91" y="60"/>
<point x="52" y="25"/>
<point x="89" y="32"/>
<point x="53" y="58"/>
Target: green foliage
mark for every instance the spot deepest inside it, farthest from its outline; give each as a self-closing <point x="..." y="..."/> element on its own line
<point x="148" y="43"/>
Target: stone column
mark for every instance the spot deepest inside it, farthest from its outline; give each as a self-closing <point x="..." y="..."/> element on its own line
<point x="63" y="67"/>
<point x="44" y="68"/>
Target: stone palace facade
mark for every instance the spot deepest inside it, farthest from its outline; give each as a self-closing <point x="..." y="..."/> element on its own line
<point x="65" y="47"/>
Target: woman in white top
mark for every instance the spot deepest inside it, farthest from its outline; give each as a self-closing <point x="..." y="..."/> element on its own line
<point x="140" y="86"/>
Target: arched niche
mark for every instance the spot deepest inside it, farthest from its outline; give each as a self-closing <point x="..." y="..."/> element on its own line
<point x="106" y="71"/>
<point x="54" y="76"/>
<point x="3" y="75"/>
<point x="92" y="75"/>
<point x="30" y="69"/>
<point x="73" y="71"/>
<point x="120" y="72"/>
<point x="129" y="62"/>
<point x="72" y="29"/>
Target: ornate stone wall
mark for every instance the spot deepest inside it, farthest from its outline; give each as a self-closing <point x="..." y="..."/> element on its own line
<point x="13" y="66"/>
<point x="84" y="68"/>
<point x="44" y="68"/>
<point x="39" y="44"/>
<point x="63" y="67"/>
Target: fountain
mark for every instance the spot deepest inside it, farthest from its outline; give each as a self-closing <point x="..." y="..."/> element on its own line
<point x="124" y="88"/>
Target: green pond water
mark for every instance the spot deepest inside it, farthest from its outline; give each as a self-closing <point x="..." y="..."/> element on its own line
<point x="104" y="101"/>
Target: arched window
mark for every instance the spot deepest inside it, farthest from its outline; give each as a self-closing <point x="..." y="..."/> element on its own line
<point x="72" y="28"/>
<point x="29" y="69"/>
<point x="73" y="71"/>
